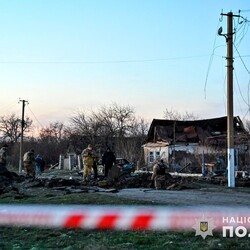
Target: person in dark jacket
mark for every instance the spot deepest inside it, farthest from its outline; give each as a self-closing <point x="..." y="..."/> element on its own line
<point x="39" y="162"/>
<point x="94" y="166"/>
<point x="108" y="159"/>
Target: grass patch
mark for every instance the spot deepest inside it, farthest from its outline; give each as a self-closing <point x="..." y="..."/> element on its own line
<point x="27" y="238"/>
<point x="73" y="239"/>
<point x="76" y="199"/>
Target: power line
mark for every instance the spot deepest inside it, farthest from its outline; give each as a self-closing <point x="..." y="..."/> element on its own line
<point x="246" y="102"/>
<point x="104" y="62"/>
<point x="35" y="117"/>
<point x="242" y="56"/>
<point x="242" y="60"/>
<point x="242" y="30"/>
<point x="211" y="60"/>
<point x="7" y="107"/>
<point x="244" y="11"/>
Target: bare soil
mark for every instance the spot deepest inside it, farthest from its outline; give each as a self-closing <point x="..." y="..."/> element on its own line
<point x="196" y="192"/>
<point x="216" y="196"/>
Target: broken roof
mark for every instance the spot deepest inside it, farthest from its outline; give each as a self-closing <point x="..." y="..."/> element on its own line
<point x="196" y="131"/>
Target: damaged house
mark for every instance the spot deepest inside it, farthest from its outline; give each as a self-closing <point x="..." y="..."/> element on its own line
<point x="194" y="146"/>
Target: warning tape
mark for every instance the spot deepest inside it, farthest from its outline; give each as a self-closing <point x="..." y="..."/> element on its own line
<point x="119" y="217"/>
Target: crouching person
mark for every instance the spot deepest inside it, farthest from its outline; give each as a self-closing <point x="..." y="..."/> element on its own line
<point x="158" y="176"/>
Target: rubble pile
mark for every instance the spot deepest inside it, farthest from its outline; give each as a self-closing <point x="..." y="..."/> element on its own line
<point x="61" y="182"/>
<point x="222" y="180"/>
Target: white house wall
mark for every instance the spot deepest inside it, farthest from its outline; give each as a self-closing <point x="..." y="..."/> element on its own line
<point x="163" y="153"/>
<point x="167" y="150"/>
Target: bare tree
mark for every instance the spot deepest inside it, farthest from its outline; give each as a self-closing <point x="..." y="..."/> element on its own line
<point x="84" y="124"/>
<point x="114" y="126"/>
<point x="10" y="127"/>
<point x="116" y="120"/>
<point x="52" y="142"/>
<point x="139" y="127"/>
<point x="113" y="121"/>
<point x="177" y="116"/>
<point x="53" y="133"/>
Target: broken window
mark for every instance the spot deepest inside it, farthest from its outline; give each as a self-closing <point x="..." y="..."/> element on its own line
<point x="151" y="157"/>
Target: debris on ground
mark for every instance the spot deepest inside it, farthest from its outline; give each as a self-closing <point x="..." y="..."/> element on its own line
<point x="63" y="182"/>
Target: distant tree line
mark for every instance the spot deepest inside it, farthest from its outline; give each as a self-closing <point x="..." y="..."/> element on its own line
<point x="115" y="126"/>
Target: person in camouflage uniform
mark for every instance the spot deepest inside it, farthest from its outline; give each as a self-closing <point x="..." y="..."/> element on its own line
<point x="29" y="163"/>
<point x="88" y="156"/>
<point x="158" y="176"/>
<point x="3" y="158"/>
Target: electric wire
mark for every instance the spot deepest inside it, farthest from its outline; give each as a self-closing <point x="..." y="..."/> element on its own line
<point x="242" y="56"/>
<point x="244" y="100"/>
<point x="242" y="60"/>
<point x="240" y="32"/>
<point x="7" y="107"/>
<point x="104" y="62"/>
<point x="244" y="11"/>
<point x="239" y="103"/>
<point x="34" y="116"/>
<point x="211" y="60"/>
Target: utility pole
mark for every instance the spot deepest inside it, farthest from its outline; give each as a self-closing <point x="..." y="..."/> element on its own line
<point x="21" y="142"/>
<point x="174" y="162"/>
<point x="230" y="113"/>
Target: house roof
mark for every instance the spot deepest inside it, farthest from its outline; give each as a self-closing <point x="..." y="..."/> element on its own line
<point x="207" y="130"/>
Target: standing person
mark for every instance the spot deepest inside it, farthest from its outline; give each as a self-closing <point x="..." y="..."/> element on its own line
<point x="108" y="159"/>
<point x="159" y="170"/>
<point x="3" y="158"/>
<point x="94" y="166"/>
<point x="29" y="163"/>
<point x="88" y="156"/>
<point x="42" y="165"/>
<point x="38" y="166"/>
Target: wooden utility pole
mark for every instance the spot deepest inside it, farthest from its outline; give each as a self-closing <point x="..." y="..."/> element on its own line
<point x="21" y="141"/>
<point x="230" y="113"/>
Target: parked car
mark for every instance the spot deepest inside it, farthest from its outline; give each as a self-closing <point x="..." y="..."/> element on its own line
<point x="121" y="163"/>
<point x="125" y="165"/>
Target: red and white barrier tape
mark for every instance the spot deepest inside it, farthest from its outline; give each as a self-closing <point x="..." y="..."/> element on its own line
<point x="117" y="218"/>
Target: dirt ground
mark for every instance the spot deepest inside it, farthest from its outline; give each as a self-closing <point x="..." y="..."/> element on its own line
<point x="197" y="194"/>
<point x="217" y="196"/>
<point x="200" y="193"/>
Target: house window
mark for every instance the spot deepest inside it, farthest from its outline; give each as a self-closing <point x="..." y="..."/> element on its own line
<point x="151" y="157"/>
<point x="157" y="155"/>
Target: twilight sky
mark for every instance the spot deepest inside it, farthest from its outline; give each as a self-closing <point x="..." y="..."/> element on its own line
<point x="64" y="56"/>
